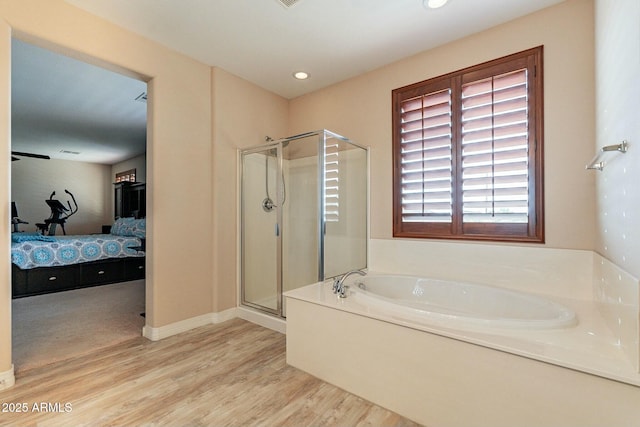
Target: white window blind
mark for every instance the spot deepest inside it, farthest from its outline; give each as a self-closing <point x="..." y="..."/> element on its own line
<point x="495" y="149"/>
<point x="426" y="158"/>
<point x="331" y="182"/>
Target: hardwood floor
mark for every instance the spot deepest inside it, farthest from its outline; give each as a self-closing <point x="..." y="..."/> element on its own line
<point x="230" y="374"/>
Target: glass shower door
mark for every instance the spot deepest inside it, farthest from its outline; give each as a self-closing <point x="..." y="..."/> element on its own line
<point x="303" y="215"/>
<point x="345" y="206"/>
<point x="261" y="219"/>
<point x="301" y="264"/>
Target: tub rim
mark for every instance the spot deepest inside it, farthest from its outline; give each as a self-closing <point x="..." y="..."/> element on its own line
<point x="566" y="317"/>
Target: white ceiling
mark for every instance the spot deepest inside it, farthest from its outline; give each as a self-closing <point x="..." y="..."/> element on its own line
<point x="265" y="42"/>
<point x="259" y="40"/>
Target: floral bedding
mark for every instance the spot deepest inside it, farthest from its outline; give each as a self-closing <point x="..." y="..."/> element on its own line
<point x="50" y="251"/>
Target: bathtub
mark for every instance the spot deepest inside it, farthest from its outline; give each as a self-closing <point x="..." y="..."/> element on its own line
<point x="456" y="304"/>
<point x="459" y="354"/>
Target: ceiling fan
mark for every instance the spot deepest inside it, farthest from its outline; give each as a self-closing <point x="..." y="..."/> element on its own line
<point x="21" y="154"/>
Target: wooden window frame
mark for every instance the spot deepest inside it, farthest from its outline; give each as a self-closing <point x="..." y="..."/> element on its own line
<point x="533" y="230"/>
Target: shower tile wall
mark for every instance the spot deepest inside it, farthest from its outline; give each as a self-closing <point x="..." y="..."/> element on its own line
<point x="565" y="273"/>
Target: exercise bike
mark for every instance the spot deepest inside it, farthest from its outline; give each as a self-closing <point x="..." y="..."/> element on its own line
<point x="59" y="215"/>
<point x="15" y="220"/>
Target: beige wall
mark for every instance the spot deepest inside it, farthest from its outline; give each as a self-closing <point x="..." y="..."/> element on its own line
<point x="360" y="108"/>
<point x="179" y="277"/>
<point x="6" y="367"/>
<point x="243" y="115"/>
<point x="33" y="180"/>
<point x="617" y="119"/>
<point x="139" y="163"/>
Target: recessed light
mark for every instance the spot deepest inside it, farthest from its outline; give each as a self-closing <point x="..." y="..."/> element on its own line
<point x="434" y="4"/>
<point x="288" y="3"/>
<point x="301" y="75"/>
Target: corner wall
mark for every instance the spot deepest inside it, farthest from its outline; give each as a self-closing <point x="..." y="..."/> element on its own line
<point x="6" y="367"/>
<point x="617" y="116"/>
<point x="243" y="115"/>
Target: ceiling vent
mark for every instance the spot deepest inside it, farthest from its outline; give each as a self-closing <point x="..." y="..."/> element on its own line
<point x="288" y="3"/>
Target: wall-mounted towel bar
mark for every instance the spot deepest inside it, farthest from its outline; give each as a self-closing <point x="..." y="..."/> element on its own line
<point x="597" y="163"/>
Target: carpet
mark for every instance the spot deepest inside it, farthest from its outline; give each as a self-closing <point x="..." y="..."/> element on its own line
<point x="54" y="327"/>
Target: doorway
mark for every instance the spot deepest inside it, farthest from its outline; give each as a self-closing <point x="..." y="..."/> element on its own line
<point x="91" y="124"/>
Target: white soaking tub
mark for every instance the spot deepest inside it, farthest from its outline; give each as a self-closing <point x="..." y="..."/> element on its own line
<point x="457" y="354"/>
<point x="457" y="304"/>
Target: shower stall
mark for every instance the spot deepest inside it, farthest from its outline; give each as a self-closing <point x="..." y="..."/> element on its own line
<point x="303" y="215"/>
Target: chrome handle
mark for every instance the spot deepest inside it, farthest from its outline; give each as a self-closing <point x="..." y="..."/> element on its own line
<point x="597" y="163"/>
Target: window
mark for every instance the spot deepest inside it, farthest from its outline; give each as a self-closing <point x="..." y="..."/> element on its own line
<point x="467" y="153"/>
<point x="331" y="182"/>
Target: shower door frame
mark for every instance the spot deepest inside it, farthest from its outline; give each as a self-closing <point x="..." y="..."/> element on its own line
<point x="277" y="145"/>
<point x="322" y="135"/>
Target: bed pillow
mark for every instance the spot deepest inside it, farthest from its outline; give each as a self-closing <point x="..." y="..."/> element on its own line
<point x="139" y="228"/>
<point x="129" y="227"/>
<point x="120" y="226"/>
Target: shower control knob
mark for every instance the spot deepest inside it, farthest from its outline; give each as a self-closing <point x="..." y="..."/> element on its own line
<point x="267" y="205"/>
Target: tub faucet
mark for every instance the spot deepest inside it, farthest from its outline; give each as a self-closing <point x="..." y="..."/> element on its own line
<point x="338" y="282"/>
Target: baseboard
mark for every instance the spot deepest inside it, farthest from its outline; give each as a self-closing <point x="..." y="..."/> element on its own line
<point x="7" y="378"/>
<point x="264" y="320"/>
<point x="156" y="334"/>
<point x="223" y="316"/>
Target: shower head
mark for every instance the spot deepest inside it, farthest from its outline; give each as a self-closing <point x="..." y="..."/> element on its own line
<point x="270" y="140"/>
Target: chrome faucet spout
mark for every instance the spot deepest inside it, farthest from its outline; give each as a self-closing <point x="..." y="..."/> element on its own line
<point x="338" y="282"/>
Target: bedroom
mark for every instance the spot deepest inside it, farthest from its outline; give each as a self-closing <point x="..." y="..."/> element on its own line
<point x="91" y="124"/>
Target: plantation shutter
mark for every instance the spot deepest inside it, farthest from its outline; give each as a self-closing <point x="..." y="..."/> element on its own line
<point x="426" y="158"/>
<point x="331" y="183"/>
<point x="495" y="149"/>
<point x="468" y="153"/>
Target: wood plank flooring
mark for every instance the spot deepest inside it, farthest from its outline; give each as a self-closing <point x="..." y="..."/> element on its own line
<point x="230" y="374"/>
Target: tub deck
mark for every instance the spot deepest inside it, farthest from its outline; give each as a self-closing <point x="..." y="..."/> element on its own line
<point x="377" y="355"/>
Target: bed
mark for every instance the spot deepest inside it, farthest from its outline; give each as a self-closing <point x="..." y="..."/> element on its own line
<point x="46" y="264"/>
